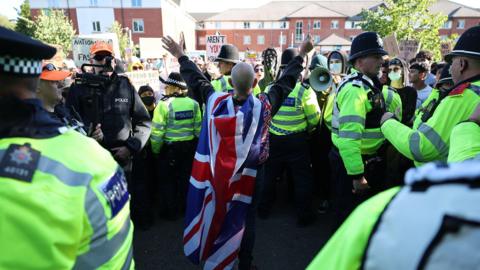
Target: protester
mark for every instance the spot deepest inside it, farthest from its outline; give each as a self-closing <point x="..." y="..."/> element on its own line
<point x="418" y="75"/>
<point x="426" y="57"/>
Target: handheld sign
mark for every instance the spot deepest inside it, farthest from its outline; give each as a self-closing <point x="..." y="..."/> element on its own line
<point x="214" y="43"/>
<point x="390" y="45"/>
<point x="81" y="46"/>
<point x="408" y="49"/>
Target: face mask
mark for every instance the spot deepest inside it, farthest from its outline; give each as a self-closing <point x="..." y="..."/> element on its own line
<point x="148" y="100"/>
<point x="394" y="76"/>
<point x="336" y="68"/>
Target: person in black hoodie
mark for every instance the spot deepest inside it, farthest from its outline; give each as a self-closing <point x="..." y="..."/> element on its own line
<point x="397" y="164"/>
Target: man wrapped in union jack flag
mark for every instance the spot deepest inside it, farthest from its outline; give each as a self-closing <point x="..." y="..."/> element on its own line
<point x="219" y="220"/>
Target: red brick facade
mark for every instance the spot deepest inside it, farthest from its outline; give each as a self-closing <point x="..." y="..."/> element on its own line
<point x="152" y="19"/>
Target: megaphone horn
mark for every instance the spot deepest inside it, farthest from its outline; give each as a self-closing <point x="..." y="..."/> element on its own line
<point x="321" y="79"/>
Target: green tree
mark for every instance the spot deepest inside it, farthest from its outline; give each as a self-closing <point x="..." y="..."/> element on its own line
<point x="123" y="38"/>
<point x="408" y="19"/>
<point x="5" y="22"/>
<point x="54" y="27"/>
<point x="25" y="24"/>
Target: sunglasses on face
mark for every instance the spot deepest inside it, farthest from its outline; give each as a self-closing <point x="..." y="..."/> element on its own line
<point x="100" y="57"/>
<point x="49" y="67"/>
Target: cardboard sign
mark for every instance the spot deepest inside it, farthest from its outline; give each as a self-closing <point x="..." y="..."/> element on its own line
<point x="81" y="46"/>
<point x="408" y="49"/>
<point x="446" y="48"/>
<point x="151" y="48"/>
<point x="390" y="45"/>
<point x="214" y="43"/>
<point x="140" y="78"/>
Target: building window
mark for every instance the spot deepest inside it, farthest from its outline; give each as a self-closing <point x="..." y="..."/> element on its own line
<point x="218" y="25"/>
<point x="138" y="26"/>
<point x="261" y="25"/>
<point x="136" y="3"/>
<point x="299" y="31"/>
<point x="246" y="25"/>
<point x="283" y="25"/>
<point x="96" y="26"/>
<point x="461" y="24"/>
<point x="93" y="3"/>
<point x="247" y="40"/>
<point x="282" y="40"/>
<point x="334" y="24"/>
<point x="261" y="40"/>
<point x="317" y="25"/>
<point x="316" y="39"/>
<point x="447" y="25"/>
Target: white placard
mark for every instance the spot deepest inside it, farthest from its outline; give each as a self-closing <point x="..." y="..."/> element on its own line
<point x="214" y="43"/>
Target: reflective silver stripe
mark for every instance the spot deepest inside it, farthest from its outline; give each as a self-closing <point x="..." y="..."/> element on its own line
<point x="158" y="126"/>
<point x="289" y="113"/>
<point x="171" y="114"/>
<point x="389" y="98"/>
<point x="414" y="145"/>
<point x="102" y="250"/>
<point x="180" y="126"/>
<point x="156" y="138"/>
<point x="312" y="116"/>
<point x="372" y="135"/>
<point x="434" y="138"/>
<point x="300" y="95"/>
<point x="288" y="122"/>
<point x="350" y="134"/>
<point x="179" y="134"/>
<point x="351" y="119"/>
<point x="128" y="261"/>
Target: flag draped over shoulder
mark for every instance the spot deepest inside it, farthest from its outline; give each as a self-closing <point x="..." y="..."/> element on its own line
<point x="231" y="145"/>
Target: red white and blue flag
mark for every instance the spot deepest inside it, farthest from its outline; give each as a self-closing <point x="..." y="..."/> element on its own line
<point x="233" y="142"/>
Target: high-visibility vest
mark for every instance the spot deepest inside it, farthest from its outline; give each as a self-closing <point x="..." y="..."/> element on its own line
<point x="175" y="119"/>
<point x="299" y="112"/>
<point x="64" y="205"/>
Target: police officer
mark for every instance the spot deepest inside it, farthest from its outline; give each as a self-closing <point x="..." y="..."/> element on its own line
<point x="358" y="106"/>
<point x="298" y="116"/>
<point x="227" y="58"/>
<point x="429" y="138"/>
<point x="176" y="125"/>
<point x="64" y="199"/>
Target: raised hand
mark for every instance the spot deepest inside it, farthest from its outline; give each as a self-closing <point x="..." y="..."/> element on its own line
<point x="306" y="46"/>
<point x="173" y="47"/>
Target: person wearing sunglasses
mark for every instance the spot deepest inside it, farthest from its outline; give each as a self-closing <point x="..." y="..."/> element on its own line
<point x="113" y="113"/>
<point x="259" y="71"/>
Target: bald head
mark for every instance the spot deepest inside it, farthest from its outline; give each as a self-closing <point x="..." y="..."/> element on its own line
<point x="243" y="77"/>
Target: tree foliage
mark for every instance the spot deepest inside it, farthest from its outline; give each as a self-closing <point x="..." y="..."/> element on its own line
<point x="408" y="19"/>
<point x="25" y="24"/>
<point x="123" y="38"/>
<point x="5" y="22"/>
<point x="54" y="27"/>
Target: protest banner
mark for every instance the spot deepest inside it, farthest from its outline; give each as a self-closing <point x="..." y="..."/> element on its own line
<point x="446" y="48"/>
<point x="408" y="49"/>
<point x="139" y="78"/>
<point x="151" y="48"/>
<point x="390" y="44"/>
<point x="81" y="46"/>
<point x="214" y="43"/>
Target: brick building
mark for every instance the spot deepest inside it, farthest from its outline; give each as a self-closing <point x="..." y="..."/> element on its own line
<point x="142" y="18"/>
<point x="284" y="24"/>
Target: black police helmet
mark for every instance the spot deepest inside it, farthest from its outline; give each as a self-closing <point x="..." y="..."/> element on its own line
<point x="367" y="43"/>
<point x="467" y="45"/>
<point x="228" y="53"/>
<point x="287" y="56"/>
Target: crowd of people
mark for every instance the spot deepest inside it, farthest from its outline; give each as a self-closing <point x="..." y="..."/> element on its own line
<point x="81" y="159"/>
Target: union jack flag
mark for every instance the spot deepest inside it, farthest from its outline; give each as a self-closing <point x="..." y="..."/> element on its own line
<point x="231" y="145"/>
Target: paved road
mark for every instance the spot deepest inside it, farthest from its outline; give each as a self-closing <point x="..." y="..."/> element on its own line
<point x="279" y="243"/>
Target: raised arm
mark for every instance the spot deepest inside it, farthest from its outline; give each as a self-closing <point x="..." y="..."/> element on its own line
<point x="192" y="75"/>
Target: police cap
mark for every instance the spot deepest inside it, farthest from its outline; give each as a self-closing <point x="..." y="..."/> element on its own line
<point x="367" y="43"/>
<point x="467" y="45"/>
<point x="21" y="55"/>
<point x="228" y="53"/>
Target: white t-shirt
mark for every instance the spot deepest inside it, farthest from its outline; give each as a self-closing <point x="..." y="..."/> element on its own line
<point x="422" y="95"/>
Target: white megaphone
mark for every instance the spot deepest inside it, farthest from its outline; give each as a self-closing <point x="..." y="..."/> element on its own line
<point x="320" y="79"/>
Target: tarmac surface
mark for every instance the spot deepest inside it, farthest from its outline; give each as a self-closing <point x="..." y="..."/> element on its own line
<point x="279" y="243"/>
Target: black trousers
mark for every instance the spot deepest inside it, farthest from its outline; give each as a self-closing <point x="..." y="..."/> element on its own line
<point x="344" y="200"/>
<point x="289" y="152"/>
<point x="174" y="173"/>
<point x="143" y="186"/>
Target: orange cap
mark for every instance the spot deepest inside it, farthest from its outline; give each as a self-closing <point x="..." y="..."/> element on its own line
<point x="50" y="73"/>
<point x="101" y="46"/>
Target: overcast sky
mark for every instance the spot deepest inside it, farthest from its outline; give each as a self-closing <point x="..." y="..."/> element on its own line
<point x="7" y="7"/>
